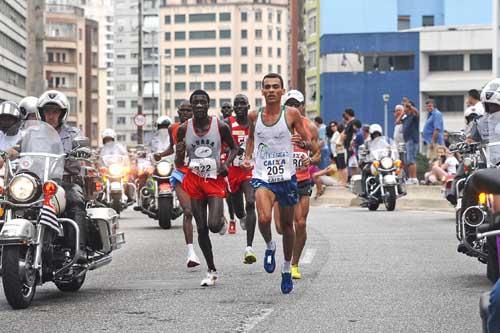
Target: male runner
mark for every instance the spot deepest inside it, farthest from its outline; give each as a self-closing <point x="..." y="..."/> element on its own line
<point x="302" y="161"/>
<point x="200" y="139"/>
<point x="270" y="144"/>
<point x="185" y="113"/>
<point x="239" y="178"/>
<point x="227" y="116"/>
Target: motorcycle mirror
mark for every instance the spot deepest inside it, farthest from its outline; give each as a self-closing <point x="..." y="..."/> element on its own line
<point x="81" y="142"/>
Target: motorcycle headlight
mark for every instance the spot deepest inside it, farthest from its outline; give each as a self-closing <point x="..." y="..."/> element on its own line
<point x="386" y="163"/>
<point x="115" y="170"/>
<point x="164" y="168"/>
<point x="23" y="188"/>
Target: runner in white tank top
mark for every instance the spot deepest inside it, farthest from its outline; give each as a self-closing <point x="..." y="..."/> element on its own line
<point x="269" y="145"/>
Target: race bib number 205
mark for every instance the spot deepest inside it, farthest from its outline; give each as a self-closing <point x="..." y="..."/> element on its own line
<point x="277" y="170"/>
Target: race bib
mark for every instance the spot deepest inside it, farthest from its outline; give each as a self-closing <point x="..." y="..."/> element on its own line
<point x="277" y="170"/>
<point x="238" y="160"/>
<point x="298" y="160"/>
<point x="204" y="167"/>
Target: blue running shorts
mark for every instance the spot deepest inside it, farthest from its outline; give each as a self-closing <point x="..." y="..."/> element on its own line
<point x="286" y="192"/>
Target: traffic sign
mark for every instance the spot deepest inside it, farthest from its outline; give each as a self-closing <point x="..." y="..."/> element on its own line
<point x="140" y="120"/>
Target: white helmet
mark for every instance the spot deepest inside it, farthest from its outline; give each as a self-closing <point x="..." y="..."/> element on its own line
<point x="163" y="121"/>
<point x="476" y="110"/>
<point x="109" y="133"/>
<point x="491" y="93"/>
<point x="53" y="97"/>
<point x="28" y="106"/>
<point x="375" y="128"/>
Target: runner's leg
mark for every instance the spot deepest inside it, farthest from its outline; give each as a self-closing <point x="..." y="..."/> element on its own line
<point x="200" y="216"/>
<point x="277" y="221"/>
<point x="264" y="200"/>
<point x="215" y="214"/>
<point x="286" y="219"/>
<point x="301" y="212"/>
<point x="187" y="224"/>
<point x="251" y="218"/>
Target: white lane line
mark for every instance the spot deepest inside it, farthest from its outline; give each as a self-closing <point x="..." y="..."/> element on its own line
<point x="308" y="256"/>
<point x="250" y="323"/>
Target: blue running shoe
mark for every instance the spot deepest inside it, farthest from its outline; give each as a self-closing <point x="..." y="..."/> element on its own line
<point x="269" y="262"/>
<point x="286" y="283"/>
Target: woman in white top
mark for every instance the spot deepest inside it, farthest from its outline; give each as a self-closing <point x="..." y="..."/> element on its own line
<point x="443" y="168"/>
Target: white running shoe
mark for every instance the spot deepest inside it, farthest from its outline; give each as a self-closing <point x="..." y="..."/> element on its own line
<point x="192" y="260"/>
<point x="243" y="223"/>
<point x="224" y="227"/>
<point x="212" y="276"/>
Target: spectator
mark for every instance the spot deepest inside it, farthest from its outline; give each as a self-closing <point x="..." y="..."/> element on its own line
<point x="411" y="137"/>
<point x="433" y="129"/>
<point x="324" y="178"/>
<point x="357" y="141"/>
<point x="446" y="138"/>
<point x="399" y="111"/>
<point x="341" y="160"/>
<point x="333" y="137"/>
<point x="443" y="167"/>
<point x="366" y="132"/>
<point x="325" y="154"/>
<point x="474" y="102"/>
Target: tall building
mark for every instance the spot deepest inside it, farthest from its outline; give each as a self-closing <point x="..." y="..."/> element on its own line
<point x="126" y="66"/>
<point x="13" y="39"/>
<point x="224" y="47"/>
<point x="311" y="55"/>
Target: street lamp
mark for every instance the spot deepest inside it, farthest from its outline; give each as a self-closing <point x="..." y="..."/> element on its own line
<point x="386" y="98"/>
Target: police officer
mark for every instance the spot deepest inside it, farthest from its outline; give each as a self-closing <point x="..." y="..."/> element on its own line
<point x="11" y="120"/>
<point x="28" y="107"/>
<point x="161" y="140"/>
<point x="53" y="108"/>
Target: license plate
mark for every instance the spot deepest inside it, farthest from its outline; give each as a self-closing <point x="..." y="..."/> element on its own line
<point x="165" y="187"/>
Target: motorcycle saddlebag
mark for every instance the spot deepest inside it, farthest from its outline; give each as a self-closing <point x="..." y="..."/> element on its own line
<point x="356" y="185"/>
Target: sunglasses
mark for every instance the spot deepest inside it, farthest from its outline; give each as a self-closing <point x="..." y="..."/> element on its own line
<point x="293" y="104"/>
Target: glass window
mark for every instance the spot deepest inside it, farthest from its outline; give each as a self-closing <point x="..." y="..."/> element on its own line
<point x="167" y="86"/>
<point x="224" y="17"/>
<point x="279" y="69"/>
<point x="244" y="85"/>
<point x="180" y="18"/>
<point x="278" y="16"/>
<point x="209" y="85"/>
<point x="270" y="16"/>
<point x="194" y="85"/>
<point x="480" y="62"/>
<point x="201" y="18"/>
<point x="213" y="102"/>
<point x="428" y="20"/>
<point x="180" y="52"/>
<point x="258" y="68"/>
<point x="225" y="34"/>
<point x="244" y="34"/>
<point x="180" y="86"/>
<point x="270" y="33"/>
<point x="258" y="16"/>
<point x="166" y="19"/>
<point x="244" y="51"/>
<point x="269" y="51"/>
<point x="195" y="69"/>
<point x="208" y="69"/>
<point x="244" y="68"/>
<point x="389" y="63"/>
<point x="180" y="35"/>
<point x="224" y="51"/>
<point x="278" y="52"/>
<point x="403" y="22"/>
<point x="120" y="104"/>
<point x="244" y="16"/>
<point x="258" y="34"/>
<point x="452" y="62"/>
<point x="133" y="104"/>
<point x="225" y="85"/>
<point x="278" y="34"/>
<point x="258" y="102"/>
<point x="202" y="51"/>
<point x="269" y="68"/>
<point x="258" y="51"/>
<point x="225" y="68"/>
<point x="258" y="85"/>
<point x="204" y="34"/>
<point x="449" y="103"/>
<point x="167" y="36"/>
<point x="180" y="69"/>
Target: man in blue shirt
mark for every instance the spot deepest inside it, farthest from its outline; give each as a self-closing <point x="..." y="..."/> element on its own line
<point x="410" y="123"/>
<point x="433" y="128"/>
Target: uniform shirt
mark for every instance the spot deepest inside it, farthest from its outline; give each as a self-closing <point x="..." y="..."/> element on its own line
<point x="67" y="135"/>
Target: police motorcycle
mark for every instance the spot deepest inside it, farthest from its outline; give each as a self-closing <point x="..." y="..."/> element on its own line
<point x="38" y="244"/>
<point x="381" y="181"/>
<point x="114" y="172"/>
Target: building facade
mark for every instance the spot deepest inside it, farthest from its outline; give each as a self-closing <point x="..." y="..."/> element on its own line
<point x="224" y="48"/>
<point x="312" y="56"/>
<point x="13" y="40"/>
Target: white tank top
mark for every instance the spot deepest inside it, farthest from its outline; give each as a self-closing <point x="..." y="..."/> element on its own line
<point x="273" y="150"/>
<point x="204" y="151"/>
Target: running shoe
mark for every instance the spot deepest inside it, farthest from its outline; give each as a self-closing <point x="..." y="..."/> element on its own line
<point x="192" y="260"/>
<point x="269" y="261"/>
<point x="243" y="223"/>
<point x="286" y="283"/>
<point x="250" y="256"/>
<point x="210" y="279"/>
<point x="296" y="272"/>
<point x="232" y="227"/>
<point x="224" y="227"/>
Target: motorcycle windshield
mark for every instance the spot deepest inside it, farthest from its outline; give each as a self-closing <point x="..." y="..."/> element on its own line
<point x="42" y="151"/>
<point x="492" y="150"/>
<point x="160" y="141"/>
<point x="114" y="153"/>
<point x="382" y="147"/>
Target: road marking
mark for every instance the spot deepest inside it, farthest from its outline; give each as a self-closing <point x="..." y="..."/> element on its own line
<point x="308" y="256"/>
<point x="249" y="324"/>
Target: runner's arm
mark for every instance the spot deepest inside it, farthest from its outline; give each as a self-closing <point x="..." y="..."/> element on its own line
<point x="298" y="126"/>
<point x="180" y="148"/>
<point x="250" y="140"/>
<point x="227" y="138"/>
<point x="316" y="153"/>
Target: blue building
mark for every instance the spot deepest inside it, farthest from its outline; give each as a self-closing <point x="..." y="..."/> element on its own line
<point x="360" y="68"/>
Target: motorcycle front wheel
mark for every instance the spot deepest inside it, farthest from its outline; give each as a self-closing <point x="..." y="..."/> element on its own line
<point x="390" y="199"/>
<point x="116" y="202"/>
<point x="18" y="275"/>
<point x="165" y="210"/>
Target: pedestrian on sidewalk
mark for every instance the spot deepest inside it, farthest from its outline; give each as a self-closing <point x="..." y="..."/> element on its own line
<point x="433" y="129"/>
<point x="410" y="122"/>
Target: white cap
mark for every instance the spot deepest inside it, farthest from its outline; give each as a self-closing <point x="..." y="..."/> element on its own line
<point x="295" y="94"/>
<point x="375" y="128"/>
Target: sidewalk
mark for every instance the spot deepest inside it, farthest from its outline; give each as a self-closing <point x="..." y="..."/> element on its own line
<point x="419" y="197"/>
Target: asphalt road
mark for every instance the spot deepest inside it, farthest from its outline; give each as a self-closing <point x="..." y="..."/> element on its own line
<point x="362" y="272"/>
